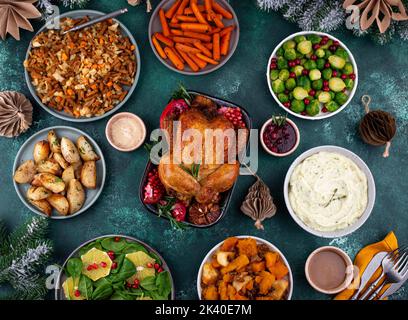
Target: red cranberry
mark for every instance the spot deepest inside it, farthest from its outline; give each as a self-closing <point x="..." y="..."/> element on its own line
<point x="274" y="60"/>
<point x="334" y="73"/>
<point x="325" y="83"/>
<point x="324" y="110"/>
<point x="344" y="76"/>
<point x="305" y="72"/>
<point x="287" y="91"/>
<point x="336" y="43"/>
<point x="306" y="101"/>
<point x="352" y="76"/>
<point x="332" y="48"/>
<point x="313" y="57"/>
<point x="316" y="46"/>
<point x="274" y="149"/>
<point x="312" y="93"/>
<point x="325" y="38"/>
<point x="298" y="61"/>
<point x="287" y="104"/>
<point x="327" y="89"/>
<point x="273" y="66"/>
<point x="303" y="113"/>
<point x="292" y="75"/>
<point x="327" y="65"/>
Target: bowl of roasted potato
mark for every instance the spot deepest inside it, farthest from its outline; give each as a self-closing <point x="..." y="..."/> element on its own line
<point x="59" y="172"/>
<point x="245" y="268"/>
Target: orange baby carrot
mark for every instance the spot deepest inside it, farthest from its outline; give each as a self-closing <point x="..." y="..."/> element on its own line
<point x="190" y="11"/>
<point x="184" y="40"/>
<point x="216" y="19"/>
<point x="215" y="30"/>
<point x="216" y="46"/>
<point x="158" y="47"/>
<point x="182" y="6"/>
<point x="186" y="48"/>
<point x="186" y="18"/>
<point x="225" y="41"/>
<point x="207" y="5"/>
<point x="227" y="30"/>
<point x="167" y="41"/>
<point x="163" y="21"/>
<point x="174" y="25"/>
<point x="205" y="58"/>
<point x="199" y="36"/>
<point x="197" y="12"/>
<point x="189" y="61"/>
<point x="174" y="58"/>
<point x="170" y="13"/>
<point x="208" y="45"/>
<point x="201" y="63"/>
<point x="176" y="32"/>
<point x="196" y="27"/>
<point x="218" y="8"/>
<point x="177" y="53"/>
<point x="202" y="48"/>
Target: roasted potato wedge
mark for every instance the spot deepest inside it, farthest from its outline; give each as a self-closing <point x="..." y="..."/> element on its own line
<point x="49" y="181"/>
<point x="61" y="161"/>
<point x="75" y="196"/>
<point x="77" y="168"/>
<point x="68" y="174"/>
<point x="41" y="151"/>
<point x="69" y="151"/>
<point x="59" y="203"/>
<point x="88" y="174"/>
<point x="38" y="193"/>
<point x="85" y="150"/>
<point x="43" y="206"/>
<point x="25" y="172"/>
<point x="49" y="166"/>
<point x="54" y="142"/>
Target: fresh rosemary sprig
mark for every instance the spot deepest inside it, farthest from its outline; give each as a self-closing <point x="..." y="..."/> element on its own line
<point x="279" y="120"/>
<point x="194" y="171"/>
<point x="165" y="210"/>
<point x="182" y="93"/>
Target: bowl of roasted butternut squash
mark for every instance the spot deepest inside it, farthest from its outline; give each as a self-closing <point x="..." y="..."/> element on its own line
<point x="245" y="268"/>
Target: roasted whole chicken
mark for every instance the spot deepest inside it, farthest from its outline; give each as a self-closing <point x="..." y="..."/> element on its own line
<point x="203" y="178"/>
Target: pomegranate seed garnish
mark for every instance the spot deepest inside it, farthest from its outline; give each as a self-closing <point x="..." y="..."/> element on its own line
<point x="77" y="293"/>
<point x="156" y="266"/>
<point x="103" y="264"/>
<point x="160" y="270"/>
<point x="114" y="265"/>
<point x="117" y="239"/>
<point x="150" y="265"/>
<point x="89" y="268"/>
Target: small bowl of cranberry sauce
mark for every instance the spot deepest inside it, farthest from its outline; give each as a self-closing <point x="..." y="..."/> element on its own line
<point x="280" y="136"/>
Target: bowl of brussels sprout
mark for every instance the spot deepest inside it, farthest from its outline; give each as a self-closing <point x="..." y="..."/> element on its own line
<point x="312" y="75"/>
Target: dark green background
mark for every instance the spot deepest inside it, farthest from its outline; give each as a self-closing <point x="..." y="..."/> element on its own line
<point x="383" y="74"/>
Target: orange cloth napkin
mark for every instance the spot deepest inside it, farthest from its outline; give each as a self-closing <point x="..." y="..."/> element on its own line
<point x="364" y="257"/>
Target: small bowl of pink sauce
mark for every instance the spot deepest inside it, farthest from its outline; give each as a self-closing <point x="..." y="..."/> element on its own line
<point x="125" y="131"/>
<point x="280" y="136"/>
<point x="329" y="270"/>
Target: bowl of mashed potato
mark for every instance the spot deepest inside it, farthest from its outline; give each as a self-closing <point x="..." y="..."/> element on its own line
<point x="329" y="191"/>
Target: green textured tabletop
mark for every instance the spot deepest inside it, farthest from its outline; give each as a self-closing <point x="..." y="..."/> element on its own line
<point x="383" y="72"/>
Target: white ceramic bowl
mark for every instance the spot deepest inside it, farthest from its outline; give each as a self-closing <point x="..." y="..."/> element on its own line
<point x="258" y="240"/>
<point x="371" y="191"/>
<point x="275" y="153"/>
<point x="321" y="115"/>
<point x="130" y="116"/>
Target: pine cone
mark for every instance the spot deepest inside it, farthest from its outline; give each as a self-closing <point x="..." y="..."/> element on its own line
<point x="14" y="14"/>
<point x="16" y="113"/>
<point x="377" y="127"/>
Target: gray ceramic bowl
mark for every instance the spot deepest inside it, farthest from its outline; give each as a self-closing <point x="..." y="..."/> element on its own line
<point x="207" y="258"/>
<point x="63" y="115"/>
<point x="371" y="192"/>
<point x="59" y="294"/>
<point x="155" y="26"/>
<point x="26" y="153"/>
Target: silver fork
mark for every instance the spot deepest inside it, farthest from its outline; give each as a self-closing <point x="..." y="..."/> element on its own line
<point x="394" y="269"/>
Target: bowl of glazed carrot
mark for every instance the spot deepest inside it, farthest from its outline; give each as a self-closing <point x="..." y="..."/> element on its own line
<point x="194" y="37"/>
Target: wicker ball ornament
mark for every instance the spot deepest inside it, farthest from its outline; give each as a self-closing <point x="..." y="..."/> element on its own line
<point x="16" y="113"/>
<point x="377" y="127"/>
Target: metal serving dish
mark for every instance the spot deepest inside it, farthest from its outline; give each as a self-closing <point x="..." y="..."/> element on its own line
<point x="226" y="196"/>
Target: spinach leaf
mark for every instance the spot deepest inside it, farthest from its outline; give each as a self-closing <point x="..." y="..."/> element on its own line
<point x="134" y="247"/>
<point x="102" y="292"/>
<point x="149" y="283"/>
<point x="101" y="282"/>
<point x="119" y="260"/>
<point x="112" y="245"/>
<point x="74" y="267"/>
<point x="121" y="295"/>
<point x="135" y="292"/>
<point x="163" y="284"/>
<point x="156" y="296"/>
<point x="127" y="270"/>
<point x="85" y="286"/>
<point x="156" y="257"/>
